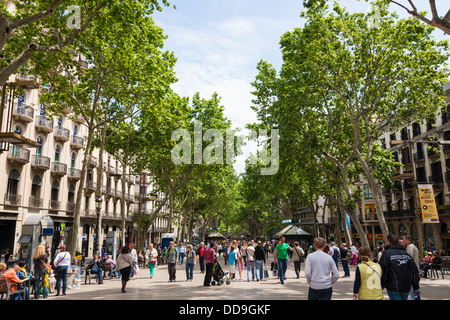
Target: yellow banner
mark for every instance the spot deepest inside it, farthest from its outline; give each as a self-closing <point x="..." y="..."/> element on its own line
<point x="428" y="204"/>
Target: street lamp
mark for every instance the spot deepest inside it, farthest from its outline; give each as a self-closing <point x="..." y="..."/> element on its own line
<point x="98" y="206"/>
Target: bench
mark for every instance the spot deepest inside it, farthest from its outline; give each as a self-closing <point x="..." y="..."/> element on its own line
<point x="5" y="289"/>
<point x="88" y="275"/>
<point x="107" y="267"/>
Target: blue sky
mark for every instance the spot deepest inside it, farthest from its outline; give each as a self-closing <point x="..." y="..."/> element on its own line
<point x="218" y="44"/>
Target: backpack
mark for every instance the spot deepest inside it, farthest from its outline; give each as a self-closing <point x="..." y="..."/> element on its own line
<point x="335" y="253"/>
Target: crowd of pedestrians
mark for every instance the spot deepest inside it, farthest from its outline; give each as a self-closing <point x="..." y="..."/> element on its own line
<point x="394" y="266"/>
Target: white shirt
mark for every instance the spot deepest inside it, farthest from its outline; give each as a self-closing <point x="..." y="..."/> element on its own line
<point x="62" y="259"/>
<point x="251" y="253"/>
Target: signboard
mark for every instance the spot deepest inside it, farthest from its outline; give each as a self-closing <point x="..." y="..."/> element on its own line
<point x="286" y="221"/>
<point x="428" y="204"/>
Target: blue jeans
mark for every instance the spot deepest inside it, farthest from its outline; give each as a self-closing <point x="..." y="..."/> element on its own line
<point x="181" y="258"/>
<point x="345" y="267"/>
<point x="251" y="265"/>
<point x="189" y="271"/>
<point x="62" y="275"/>
<point x="39" y="276"/>
<point x="398" y="295"/>
<point x="259" y="269"/>
<point x="282" y="266"/>
<point x="99" y="272"/>
<point x="323" y="294"/>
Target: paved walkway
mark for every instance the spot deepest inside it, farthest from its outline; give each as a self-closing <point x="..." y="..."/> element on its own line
<point x="141" y="287"/>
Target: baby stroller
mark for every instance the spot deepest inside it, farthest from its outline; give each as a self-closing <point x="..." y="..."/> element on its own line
<point x="218" y="275"/>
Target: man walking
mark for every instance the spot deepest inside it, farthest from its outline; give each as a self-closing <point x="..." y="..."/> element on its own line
<point x="399" y="270"/>
<point x="318" y="267"/>
<point x="201" y="257"/>
<point x="412" y="250"/>
<point x="171" y="259"/>
<point x="250" y="261"/>
<point x="210" y="257"/>
<point x="345" y="259"/>
<point x="280" y="256"/>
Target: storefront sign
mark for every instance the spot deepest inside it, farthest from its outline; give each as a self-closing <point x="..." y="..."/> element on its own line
<point x="428" y="204"/>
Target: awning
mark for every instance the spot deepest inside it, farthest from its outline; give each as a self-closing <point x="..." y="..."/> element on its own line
<point x="292" y="230"/>
<point x="25" y="238"/>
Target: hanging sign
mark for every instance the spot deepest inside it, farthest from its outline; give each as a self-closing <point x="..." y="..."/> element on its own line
<point x="428" y="204"/>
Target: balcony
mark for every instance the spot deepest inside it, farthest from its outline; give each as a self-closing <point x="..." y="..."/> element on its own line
<point x="43" y="124"/>
<point x="12" y="199"/>
<point x="399" y="213"/>
<point x="26" y="81"/>
<point x="90" y="213"/>
<point x="40" y="162"/>
<point x="35" y="202"/>
<point x="436" y="179"/>
<point x="76" y="142"/>
<point x="74" y="174"/>
<point x="19" y="155"/>
<point x="62" y="134"/>
<point x="70" y="207"/>
<point x="58" y="168"/>
<point x="23" y="113"/>
<point x="67" y="109"/>
<point x="130" y="179"/>
<point x="92" y="162"/>
<point x="118" y="194"/>
<point x="130" y="198"/>
<point x="54" y="205"/>
<point x="79" y="119"/>
<point x="109" y="192"/>
<point x="90" y="186"/>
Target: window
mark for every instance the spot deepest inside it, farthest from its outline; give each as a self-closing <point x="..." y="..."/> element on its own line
<point x="367" y="192"/>
<point x="57" y="151"/>
<point x="39" y="147"/>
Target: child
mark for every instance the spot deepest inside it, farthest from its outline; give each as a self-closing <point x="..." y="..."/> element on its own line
<point x="49" y="280"/>
<point x="232" y="263"/>
<point x="240" y="266"/>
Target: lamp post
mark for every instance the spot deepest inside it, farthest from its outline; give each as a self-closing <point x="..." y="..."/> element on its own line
<point x="98" y="206"/>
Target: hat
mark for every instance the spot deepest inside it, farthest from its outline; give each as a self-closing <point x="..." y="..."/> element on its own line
<point x="430" y="252"/>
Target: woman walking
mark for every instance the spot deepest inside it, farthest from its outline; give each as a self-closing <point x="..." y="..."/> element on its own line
<point x="125" y="265"/>
<point x="152" y="260"/>
<point x="62" y="263"/>
<point x="190" y="262"/>
<point x="40" y="265"/>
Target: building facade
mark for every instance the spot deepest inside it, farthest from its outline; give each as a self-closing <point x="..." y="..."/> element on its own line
<point x="38" y="185"/>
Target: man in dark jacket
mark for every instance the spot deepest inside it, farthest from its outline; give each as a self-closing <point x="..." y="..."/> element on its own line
<point x="399" y="270"/>
<point x="96" y="266"/>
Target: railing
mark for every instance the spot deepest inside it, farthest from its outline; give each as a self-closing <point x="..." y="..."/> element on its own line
<point x="90" y="213"/>
<point x="91" y="185"/>
<point x="59" y="167"/>
<point x="24" y="111"/>
<point x="70" y="206"/>
<point x="35" y="202"/>
<point x="40" y="161"/>
<point x="92" y="161"/>
<point x="19" y="153"/>
<point x="74" y="173"/>
<point x="44" y="123"/>
<point x="12" y="198"/>
<point x="62" y="133"/>
<point x="399" y="213"/>
<point x="118" y="194"/>
<point x="77" y="141"/>
<point x="54" y="204"/>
